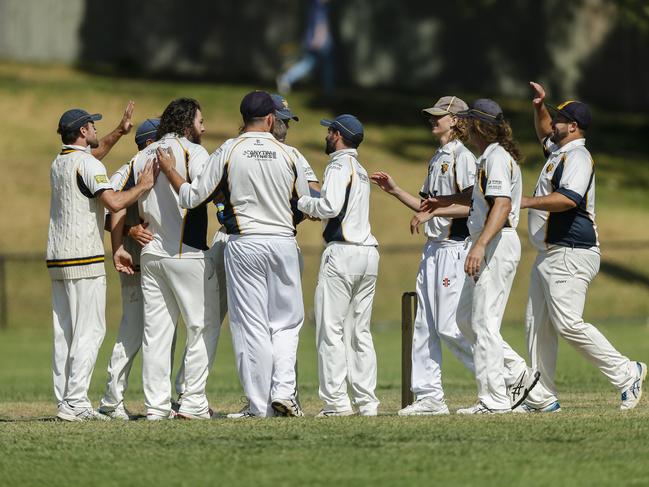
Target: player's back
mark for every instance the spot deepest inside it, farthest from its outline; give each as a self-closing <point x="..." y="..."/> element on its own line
<point x="176" y="232"/>
<point x="261" y="183"/>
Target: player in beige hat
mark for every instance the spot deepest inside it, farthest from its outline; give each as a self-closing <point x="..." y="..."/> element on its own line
<point x="439" y="280"/>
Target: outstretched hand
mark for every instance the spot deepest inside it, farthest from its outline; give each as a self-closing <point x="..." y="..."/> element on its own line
<point x="384" y="181"/>
<point x="126" y="123"/>
<point x="539" y="93"/>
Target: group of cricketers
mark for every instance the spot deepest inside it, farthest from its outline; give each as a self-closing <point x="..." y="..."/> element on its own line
<point x="156" y="209"/>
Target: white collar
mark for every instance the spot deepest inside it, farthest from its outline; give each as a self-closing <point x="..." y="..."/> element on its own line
<point x="573" y="144"/>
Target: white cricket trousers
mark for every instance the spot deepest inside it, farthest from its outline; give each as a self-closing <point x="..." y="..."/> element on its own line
<point x="343" y="309"/>
<point x="174" y="287"/>
<point x="558" y="285"/>
<point x="266" y="314"/>
<point x="439" y="285"/>
<point x="79" y="318"/>
<point x="216" y="254"/>
<point x="128" y="343"/>
<point x="479" y="316"/>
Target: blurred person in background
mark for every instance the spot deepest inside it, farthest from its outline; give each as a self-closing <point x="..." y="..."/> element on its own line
<point x="318" y="51"/>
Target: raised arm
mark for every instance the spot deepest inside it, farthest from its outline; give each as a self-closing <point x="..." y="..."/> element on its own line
<point x="107" y="142"/>
<point x="384" y="181"/>
<point x="542" y="118"/>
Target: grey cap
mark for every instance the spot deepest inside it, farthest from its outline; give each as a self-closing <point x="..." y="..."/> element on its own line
<point x="484" y="109"/>
<point x="447" y="105"/>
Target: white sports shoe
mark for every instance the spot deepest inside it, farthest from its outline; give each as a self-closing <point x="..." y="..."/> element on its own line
<point x="631" y="396"/>
<point x="555" y="407"/>
<point x="287" y="407"/>
<point x="481" y="408"/>
<point x="69" y="413"/>
<point x="520" y="389"/>
<point x="426" y="406"/>
<point x="242" y="414"/>
<point x="209" y="414"/>
<point x="156" y="417"/>
<point x="330" y="414"/>
<point x="120" y="412"/>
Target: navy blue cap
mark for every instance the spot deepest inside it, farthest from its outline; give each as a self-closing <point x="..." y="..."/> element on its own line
<point x="256" y="104"/>
<point x="348" y="125"/>
<point x="282" y="110"/>
<point x="146" y="130"/>
<point x="75" y="119"/>
<point x="575" y="111"/>
<point x="484" y="109"/>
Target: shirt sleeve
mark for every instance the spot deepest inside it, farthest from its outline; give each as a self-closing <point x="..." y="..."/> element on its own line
<point x="576" y="177"/>
<point x="93" y="175"/>
<point x="204" y="183"/>
<point x="465" y="170"/>
<point x="120" y="178"/>
<point x="301" y="182"/>
<point x="548" y="146"/>
<point x="499" y="172"/>
<point x="309" y="174"/>
<point x="337" y="178"/>
<point x="198" y="157"/>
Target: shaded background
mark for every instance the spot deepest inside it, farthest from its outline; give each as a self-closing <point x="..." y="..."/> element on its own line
<point x="592" y="49"/>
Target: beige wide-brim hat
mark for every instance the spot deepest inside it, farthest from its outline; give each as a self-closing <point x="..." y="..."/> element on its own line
<point x="447" y="105"/>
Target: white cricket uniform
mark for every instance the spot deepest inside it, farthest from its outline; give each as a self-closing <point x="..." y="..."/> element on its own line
<point x="75" y="261"/>
<point x="261" y="181"/>
<point x="346" y="285"/>
<point x="482" y="303"/>
<point x="177" y="280"/>
<point x="441" y="275"/>
<point x="567" y="261"/>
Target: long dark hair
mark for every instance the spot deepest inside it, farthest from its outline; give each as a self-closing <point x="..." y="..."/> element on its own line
<point x="501" y="133"/>
<point x="178" y="117"/>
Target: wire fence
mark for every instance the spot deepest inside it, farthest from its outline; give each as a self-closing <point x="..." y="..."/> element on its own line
<point x="24" y="281"/>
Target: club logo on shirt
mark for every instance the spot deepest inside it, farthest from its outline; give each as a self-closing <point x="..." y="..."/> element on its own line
<point x="265" y="155"/>
<point x="444" y="168"/>
<point x="446" y="282"/>
<point x="101" y="178"/>
<point x="549" y="167"/>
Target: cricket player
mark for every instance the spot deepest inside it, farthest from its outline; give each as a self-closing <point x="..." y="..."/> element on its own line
<point x="502" y="376"/>
<point x="129" y="336"/>
<point x="451" y="171"/>
<point x="562" y="227"/>
<point x="347" y="278"/>
<point x="80" y="190"/>
<point x="177" y="277"/>
<point x="283" y="117"/>
<point x="261" y="181"/>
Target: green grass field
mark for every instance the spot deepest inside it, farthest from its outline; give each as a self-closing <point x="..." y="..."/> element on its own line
<point x="589" y="443"/>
